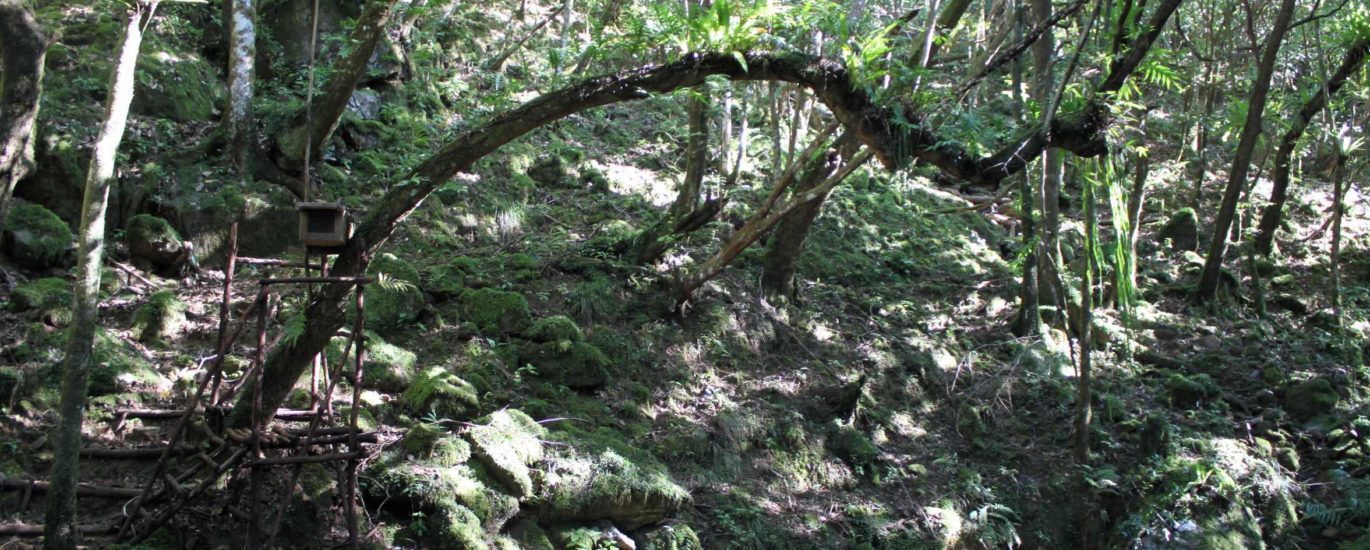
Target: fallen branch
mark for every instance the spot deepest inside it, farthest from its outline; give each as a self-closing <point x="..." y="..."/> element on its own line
<point x="84" y="489"/>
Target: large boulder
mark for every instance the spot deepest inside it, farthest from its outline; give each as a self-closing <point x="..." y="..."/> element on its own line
<point x="507" y="442"/>
<point x="387" y="368"/>
<point x="49" y="298"/>
<point x="576" y="365"/>
<point x="160" y="318"/>
<point x="394" y="301"/>
<point x="409" y="486"/>
<point x="35" y="237"/>
<point x="495" y="311"/>
<point x="1182" y="230"/>
<point x="440" y="393"/>
<point x="154" y="240"/>
<point x="180" y="87"/>
<point x="599" y="476"/>
<point x="1311" y="398"/>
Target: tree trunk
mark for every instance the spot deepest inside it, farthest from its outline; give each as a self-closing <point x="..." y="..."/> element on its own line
<point x="1086" y="339"/>
<point x="766" y="218"/>
<point x="22" y="54"/>
<point x="1048" y="190"/>
<point x="787" y="243"/>
<point x="685" y="215"/>
<point x="361" y="44"/>
<point x="1241" y="164"/>
<point x="238" y="121"/>
<point x="1279" y="192"/>
<point x="60" y="523"/>
<point x="1028" y="321"/>
<point x="875" y="126"/>
<point x="1338" y="197"/>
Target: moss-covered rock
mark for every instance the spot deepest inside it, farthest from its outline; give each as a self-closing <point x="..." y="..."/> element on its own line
<point x="576" y="365"/>
<point x="440" y="393"/>
<point x="556" y="328"/>
<point x="35" y="237"/>
<point x="154" y="239"/>
<point x="49" y="297"/>
<point x="1182" y="230"/>
<point x="409" y="485"/>
<point x="1189" y="391"/>
<point x="394" y="301"/>
<point x="181" y="87"/>
<point x="435" y="446"/>
<point x="454" y="529"/>
<point x="160" y="318"/>
<point x="530" y="535"/>
<point x="599" y="476"/>
<point x="496" y="311"/>
<point x="116" y="367"/>
<point x="1311" y="398"/>
<point x="678" y="536"/>
<point x="854" y="447"/>
<point x="507" y="442"/>
<point x="551" y="170"/>
<point x="388" y="368"/>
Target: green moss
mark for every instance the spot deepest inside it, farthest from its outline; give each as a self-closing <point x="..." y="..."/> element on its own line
<point x="388" y="368"/>
<point x="184" y="88"/>
<point x="576" y="365"/>
<point x="115" y="365"/>
<point x="551" y="170"/>
<point x="394" y="300"/>
<point x="854" y="447"/>
<point x="530" y="536"/>
<point x="431" y="444"/>
<point x="432" y="488"/>
<point x="456" y="528"/>
<point x="441" y="394"/>
<point x="153" y="239"/>
<point x="556" y="328"/>
<point x="49" y="297"/>
<point x="160" y="318"/>
<point x="1189" y="391"/>
<point x="495" y="311"/>
<point x="600" y="476"/>
<point x="1311" y="398"/>
<point x="36" y="237"/>
<point x="669" y="537"/>
<point x="507" y="442"/>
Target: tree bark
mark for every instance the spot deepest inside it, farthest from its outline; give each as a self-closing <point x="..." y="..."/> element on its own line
<point x="787" y="243"/>
<point x="758" y="225"/>
<point x="361" y="44"/>
<point x="685" y="215"/>
<point x="1279" y="192"/>
<point x="238" y="120"/>
<point x="22" y="54"/>
<point x="60" y="522"/>
<point x="1241" y="163"/>
<point x="892" y="143"/>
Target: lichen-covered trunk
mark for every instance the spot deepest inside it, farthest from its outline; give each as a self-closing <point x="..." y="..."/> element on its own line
<point x="1241" y="162"/>
<point x="328" y="110"/>
<point x="22" y="53"/>
<point x="238" y="121"/>
<point x="787" y="242"/>
<point x="1279" y="192"/>
<point x="60" y="523"/>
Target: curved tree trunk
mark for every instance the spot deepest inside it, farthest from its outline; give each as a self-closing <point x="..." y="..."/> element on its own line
<point x="1241" y="163"/>
<point x="60" y="523"/>
<point x="1279" y="192"/>
<point x="22" y="54"/>
<point x="875" y="126"/>
<point x="787" y="243"/>
<point x="238" y="119"/>
<point x="361" y="44"/>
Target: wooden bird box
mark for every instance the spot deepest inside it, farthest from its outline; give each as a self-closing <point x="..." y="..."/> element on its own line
<point x="323" y="224"/>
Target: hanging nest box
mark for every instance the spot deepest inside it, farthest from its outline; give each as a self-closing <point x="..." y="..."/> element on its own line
<point x="323" y="224"/>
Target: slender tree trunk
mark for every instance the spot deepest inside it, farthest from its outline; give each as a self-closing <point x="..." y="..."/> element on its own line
<point x="1338" y="197"/>
<point x="327" y="111"/>
<point x="1082" y="386"/>
<point x="60" y="523"/>
<point x="238" y="119"/>
<point x="1241" y="164"/>
<point x="1201" y="146"/>
<point x="1279" y="192"/>
<point x="22" y="54"/>
<point x="1029" y="319"/>
<point x="1052" y="164"/>
<point x="567" y="16"/>
<point x="776" y="113"/>
<point x="725" y="130"/>
<point x="685" y="215"/>
<point x="787" y="242"/>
